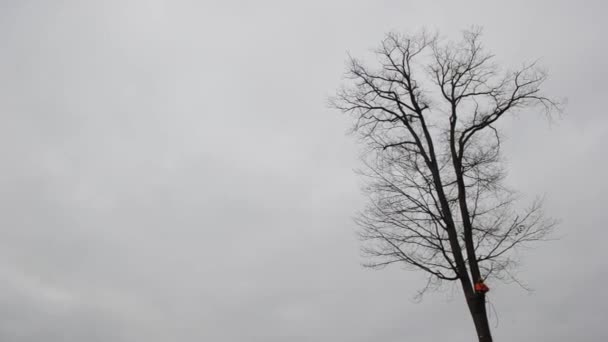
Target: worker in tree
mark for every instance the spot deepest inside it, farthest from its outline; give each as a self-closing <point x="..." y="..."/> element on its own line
<point x="481" y="287"/>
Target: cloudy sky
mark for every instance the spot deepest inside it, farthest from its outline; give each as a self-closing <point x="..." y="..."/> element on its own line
<point x="170" y="172"/>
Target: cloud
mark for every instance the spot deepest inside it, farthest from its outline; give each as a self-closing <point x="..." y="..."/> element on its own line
<point x="170" y="172"/>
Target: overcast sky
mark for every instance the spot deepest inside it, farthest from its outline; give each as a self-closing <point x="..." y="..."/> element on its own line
<point x="170" y="172"/>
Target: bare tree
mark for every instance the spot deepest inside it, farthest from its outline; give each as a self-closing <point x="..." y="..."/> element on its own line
<point x="437" y="200"/>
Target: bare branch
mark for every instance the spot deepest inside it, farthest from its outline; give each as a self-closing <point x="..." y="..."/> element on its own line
<point x="434" y="174"/>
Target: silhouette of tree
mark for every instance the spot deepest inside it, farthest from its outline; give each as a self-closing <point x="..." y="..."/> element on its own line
<point x="437" y="200"/>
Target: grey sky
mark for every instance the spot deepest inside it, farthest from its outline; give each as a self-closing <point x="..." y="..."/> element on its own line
<point x="170" y="172"/>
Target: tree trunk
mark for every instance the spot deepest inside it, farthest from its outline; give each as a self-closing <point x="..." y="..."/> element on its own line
<point x="477" y="306"/>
